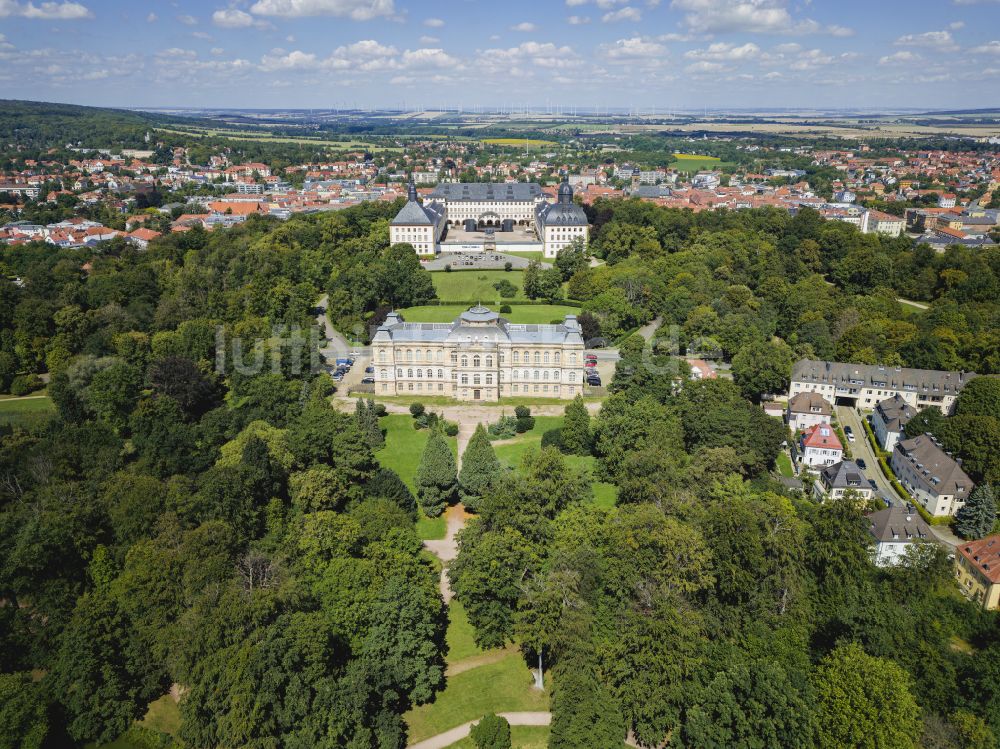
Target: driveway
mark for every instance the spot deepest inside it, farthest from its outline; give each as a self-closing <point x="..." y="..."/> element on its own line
<point x="338" y="347"/>
<point x="861" y="448"/>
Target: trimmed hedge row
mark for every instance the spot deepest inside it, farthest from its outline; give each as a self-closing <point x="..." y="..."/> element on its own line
<point x="527" y="302"/>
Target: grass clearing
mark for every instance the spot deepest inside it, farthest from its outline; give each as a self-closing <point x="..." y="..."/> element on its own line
<point x="520" y="313"/>
<point x="503" y="686"/>
<point x="26" y="412"/>
<point x="784" y="464"/>
<point x="163" y="715"/>
<point x="512" y="451"/>
<point x="403" y="447"/>
<point x="476" y="285"/>
<point x="691" y="162"/>
<point x="461" y="635"/>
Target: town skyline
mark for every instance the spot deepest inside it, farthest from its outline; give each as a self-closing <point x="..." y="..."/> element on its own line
<point x="397" y="54"/>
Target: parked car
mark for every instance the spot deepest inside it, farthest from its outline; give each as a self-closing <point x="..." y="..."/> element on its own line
<point x="369" y="370"/>
<point x="594" y="381"/>
<point x="861" y="463"/>
<point x="850" y="434"/>
<point x="368" y="381"/>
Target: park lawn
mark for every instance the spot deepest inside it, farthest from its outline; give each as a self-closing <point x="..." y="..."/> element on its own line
<point x="539" y="256"/>
<point x="521" y="737"/>
<point x="785" y="465"/>
<point x="404" y="446"/>
<point x="511" y="451"/>
<point x="503" y="686"/>
<point x="520" y="313"/>
<point x="476" y="285"/>
<point x="689" y="162"/>
<point x="460" y="635"/>
<point x="531" y="142"/>
<point x="26" y="411"/>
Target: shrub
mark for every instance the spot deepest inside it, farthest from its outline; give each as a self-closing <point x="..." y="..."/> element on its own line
<point x="505" y="288"/>
<point x="24" y="384"/>
<point x="508" y="266"/>
<point x="491" y="732"/>
<point x="522" y="412"/>
<point x="525" y="424"/>
<point x="447" y="268"/>
<point x="416" y="409"/>
<point x="450" y="428"/>
<point x="503" y="429"/>
<point x="380" y="410"/>
<point x="552" y="438"/>
<point x="505" y="309"/>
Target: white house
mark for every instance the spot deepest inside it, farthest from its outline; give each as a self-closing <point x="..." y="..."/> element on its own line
<point x="894" y="530"/>
<point x="806" y="410"/>
<point x="820" y="446"/>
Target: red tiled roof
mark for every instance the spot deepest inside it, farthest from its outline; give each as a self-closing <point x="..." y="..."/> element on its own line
<point x="984" y="555"/>
<point x="822" y="436"/>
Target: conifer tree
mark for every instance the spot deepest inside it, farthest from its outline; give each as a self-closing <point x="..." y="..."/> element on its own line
<point x="367" y="422"/>
<point x="575" y="435"/>
<point x="480" y="469"/>
<point x="436" y="475"/>
<point x="978" y="514"/>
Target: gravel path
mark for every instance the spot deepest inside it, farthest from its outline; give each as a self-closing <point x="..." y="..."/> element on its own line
<point x="446" y="739"/>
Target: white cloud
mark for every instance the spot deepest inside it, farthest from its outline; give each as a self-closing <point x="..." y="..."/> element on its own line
<point x="296" y="60"/>
<point x="578" y="20"/>
<point x="357" y="10"/>
<point x="151" y="18"/>
<point x="901" y="57"/>
<point x="956" y="25"/>
<point x="187" y="20"/>
<point x="748" y="16"/>
<point x="434" y="23"/>
<point x="525" y="26"/>
<point x="636" y="48"/>
<point x="706" y="67"/>
<point x="836" y="30"/>
<point x="990" y="48"/>
<point x="429" y="40"/>
<point x="725" y="51"/>
<point x="367" y="56"/>
<point x="47" y="11"/>
<point x="622" y="14"/>
<point x="201" y="35"/>
<point x="941" y="40"/>
<point x="217" y="50"/>
<point x="527" y="58"/>
<point x="232" y="18"/>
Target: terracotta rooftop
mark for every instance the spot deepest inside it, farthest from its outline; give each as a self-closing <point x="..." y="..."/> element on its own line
<point x="984" y="555"/>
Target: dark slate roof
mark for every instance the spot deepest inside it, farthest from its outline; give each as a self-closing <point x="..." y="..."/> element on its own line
<point x="561" y="214"/>
<point x="938" y="472"/>
<point x="877" y="375"/>
<point x="898" y="523"/>
<point x="415" y="214"/>
<point x="844" y="475"/>
<point x="805" y="403"/>
<point x="895" y="412"/>
<point x="651" y="191"/>
<point x="487" y="191"/>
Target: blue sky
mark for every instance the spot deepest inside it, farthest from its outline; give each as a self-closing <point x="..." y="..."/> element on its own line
<point x="619" y="53"/>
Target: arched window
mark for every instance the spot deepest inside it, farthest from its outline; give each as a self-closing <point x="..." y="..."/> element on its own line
<point x="558" y="357"/>
<point x="545" y="375"/>
<point x="517" y="357"/>
<point x="465" y="379"/>
<point x="489" y="379"/>
<point x="399" y="373"/>
<point x="440" y="374"/>
<point x="489" y="361"/>
<point x="546" y="357"/>
<point x="409" y="373"/>
<point x="572" y="358"/>
<point x="416" y="355"/>
<point x="381" y="356"/>
<point x="409" y="355"/>
<point x="465" y="361"/>
<point x="475" y="379"/>
<point x="475" y="361"/>
<point x="383" y="375"/>
<point x="572" y="376"/>
<point x="454" y="357"/>
<point x="440" y="355"/>
<point x="538" y="358"/>
<point x="536" y="374"/>
<point x="420" y="373"/>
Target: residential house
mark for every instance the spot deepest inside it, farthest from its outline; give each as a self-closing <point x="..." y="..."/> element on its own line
<point x="142" y="237"/>
<point x="933" y="477"/>
<point x="888" y="420"/>
<point x="836" y="480"/>
<point x="820" y="446"/>
<point x="977" y="570"/>
<point x="807" y="410"/>
<point x="701" y="369"/>
<point x="895" y="529"/>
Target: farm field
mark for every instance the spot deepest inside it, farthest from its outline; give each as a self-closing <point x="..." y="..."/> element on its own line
<point x="520" y="313"/>
<point x="529" y="142"/>
<point x="269" y="138"/>
<point x="476" y="285"/>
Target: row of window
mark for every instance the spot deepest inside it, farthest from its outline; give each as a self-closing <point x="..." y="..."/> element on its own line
<point x="539" y="357"/>
<point x="419" y="387"/>
<point x="523" y="374"/>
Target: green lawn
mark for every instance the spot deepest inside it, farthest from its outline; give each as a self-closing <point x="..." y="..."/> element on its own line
<point x="785" y="465"/>
<point x="163" y="715"/>
<point x="403" y="447"/>
<point x="520" y="313"/>
<point x="460" y="637"/>
<point x="476" y="285"/>
<point x="25" y="411"/>
<point x="696" y="162"/>
<point x="521" y="737"/>
<point x="503" y="686"/>
<point x="510" y="453"/>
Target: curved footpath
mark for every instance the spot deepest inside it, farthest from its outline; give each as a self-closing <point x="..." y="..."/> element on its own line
<point x="446" y="739"/>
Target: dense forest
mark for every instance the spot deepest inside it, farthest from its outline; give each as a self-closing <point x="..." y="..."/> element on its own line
<point x="182" y="520"/>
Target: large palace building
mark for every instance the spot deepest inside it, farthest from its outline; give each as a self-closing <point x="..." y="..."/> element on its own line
<point x="507" y="217"/>
<point x="478" y="357"/>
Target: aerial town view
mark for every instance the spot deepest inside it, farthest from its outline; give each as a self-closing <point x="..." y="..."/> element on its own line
<point x="587" y="374"/>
